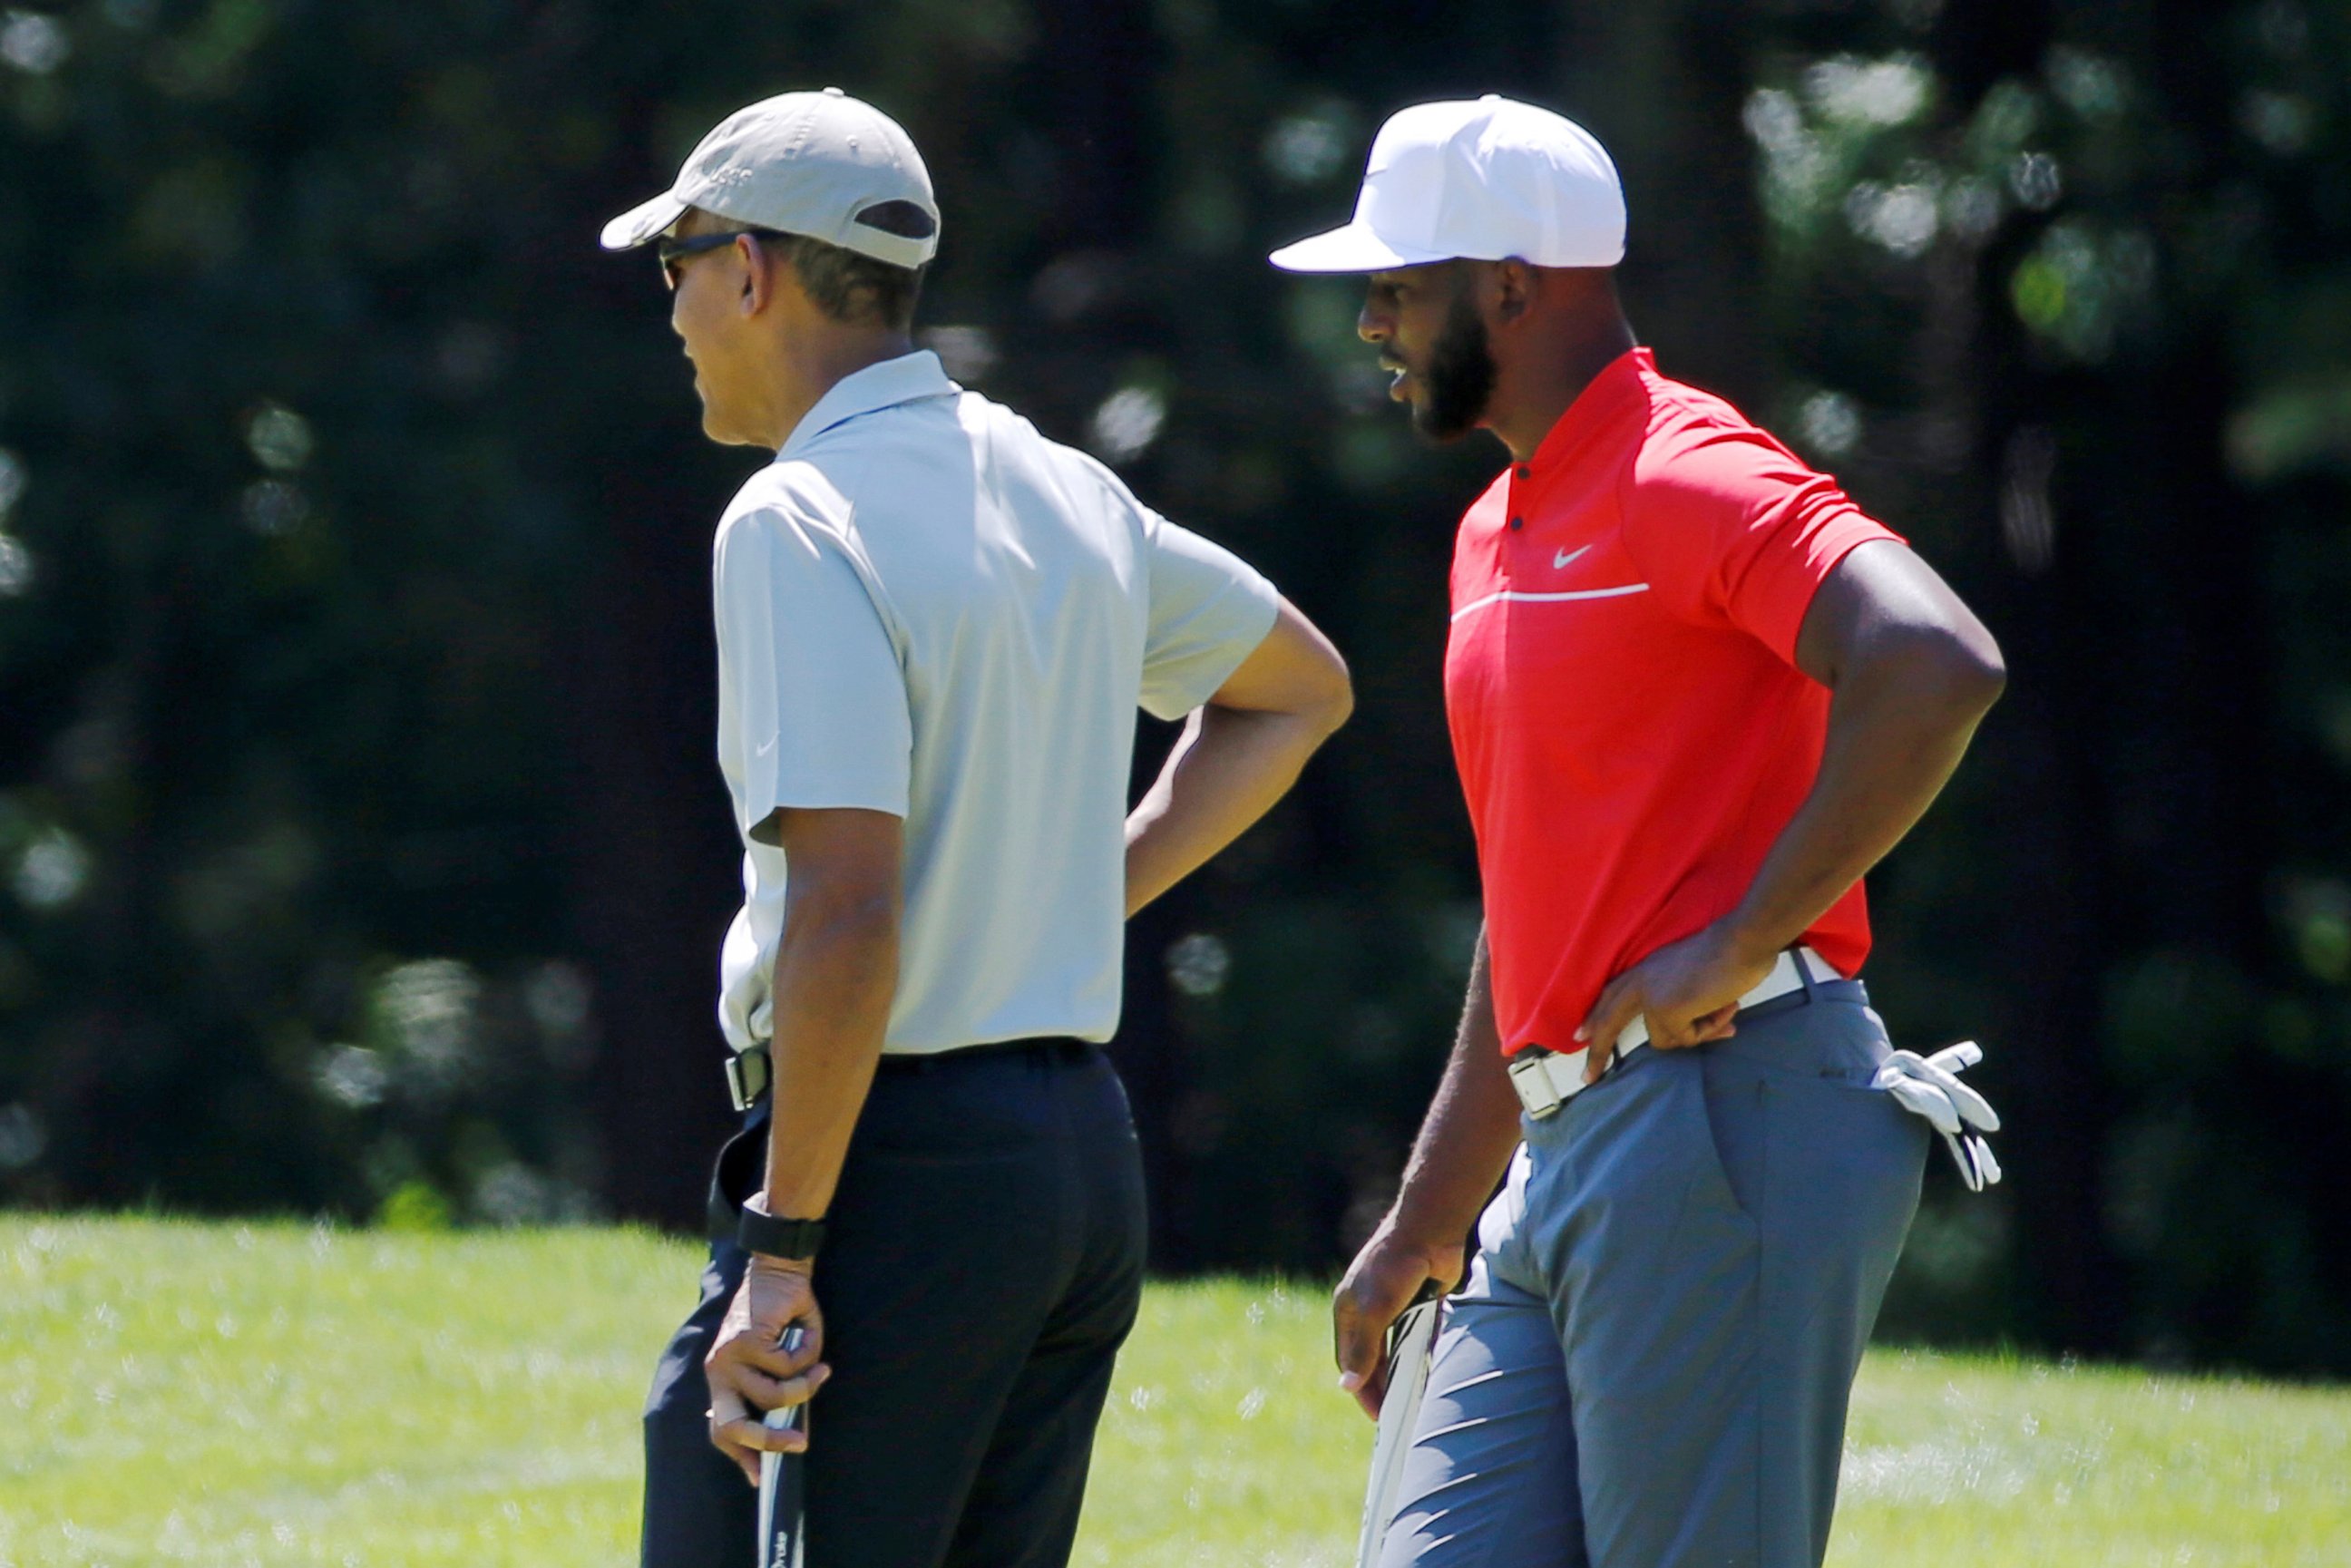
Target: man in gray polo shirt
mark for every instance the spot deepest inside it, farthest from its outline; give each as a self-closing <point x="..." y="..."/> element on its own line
<point x="934" y="629"/>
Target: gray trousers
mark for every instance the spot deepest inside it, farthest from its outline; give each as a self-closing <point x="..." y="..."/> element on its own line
<point x="1650" y="1363"/>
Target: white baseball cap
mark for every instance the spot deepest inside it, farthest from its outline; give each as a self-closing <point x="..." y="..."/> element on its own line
<point x="1486" y="181"/>
<point x="822" y="164"/>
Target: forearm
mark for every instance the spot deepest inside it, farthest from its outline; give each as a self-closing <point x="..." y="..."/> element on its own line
<point x="1226" y="770"/>
<point x="836" y="973"/>
<point x="1898" y="728"/>
<point x="1464" y="1146"/>
<point x="1471" y="1129"/>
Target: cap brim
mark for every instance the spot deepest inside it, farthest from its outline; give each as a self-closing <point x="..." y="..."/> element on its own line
<point x="640" y="224"/>
<point x="1352" y="247"/>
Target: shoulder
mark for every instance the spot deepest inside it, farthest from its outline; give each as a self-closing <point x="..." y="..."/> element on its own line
<point x="790" y="537"/>
<point x="893" y="455"/>
<point x="793" y="505"/>
<point x="1082" y="475"/>
<point x="1072" y="482"/>
<point x="1698" y="450"/>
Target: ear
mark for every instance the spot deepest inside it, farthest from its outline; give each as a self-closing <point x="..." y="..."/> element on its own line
<point x="763" y="273"/>
<point x="1514" y="287"/>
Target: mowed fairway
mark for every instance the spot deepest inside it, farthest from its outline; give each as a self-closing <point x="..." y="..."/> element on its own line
<point x="279" y="1393"/>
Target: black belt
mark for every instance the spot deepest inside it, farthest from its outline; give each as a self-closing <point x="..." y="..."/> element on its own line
<point x="742" y="1162"/>
<point x="750" y="1073"/>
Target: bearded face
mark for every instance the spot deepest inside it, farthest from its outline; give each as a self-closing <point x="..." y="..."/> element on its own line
<point x="1459" y="378"/>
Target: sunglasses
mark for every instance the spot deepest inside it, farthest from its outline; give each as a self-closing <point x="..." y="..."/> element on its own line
<point x="672" y="253"/>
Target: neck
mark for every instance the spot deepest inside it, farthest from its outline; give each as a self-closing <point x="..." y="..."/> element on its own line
<point x="809" y="367"/>
<point x="1531" y="395"/>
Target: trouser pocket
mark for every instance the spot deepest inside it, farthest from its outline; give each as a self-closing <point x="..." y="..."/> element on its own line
<point x="740" y="1170"/>
<point x="1839" y="1165"/>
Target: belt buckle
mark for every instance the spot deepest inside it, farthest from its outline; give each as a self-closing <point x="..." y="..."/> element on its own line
<point x="1536" y="1091"/>
<point x="745" y="1080"/>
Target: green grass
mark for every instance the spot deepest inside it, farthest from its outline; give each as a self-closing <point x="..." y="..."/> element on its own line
<point x="277" y="1395"/>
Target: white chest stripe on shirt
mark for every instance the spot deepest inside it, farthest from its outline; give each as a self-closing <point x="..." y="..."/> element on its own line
<point x="1477" y="604"/>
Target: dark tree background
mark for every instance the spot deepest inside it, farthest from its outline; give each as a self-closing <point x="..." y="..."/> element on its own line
<point x="361" y="849"/>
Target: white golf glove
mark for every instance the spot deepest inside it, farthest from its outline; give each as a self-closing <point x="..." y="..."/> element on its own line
<point x="1930" y="1086"/>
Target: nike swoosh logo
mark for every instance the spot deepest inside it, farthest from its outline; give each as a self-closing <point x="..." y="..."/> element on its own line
<point x="1563" y="557"/>
<point x="769" y="747"/>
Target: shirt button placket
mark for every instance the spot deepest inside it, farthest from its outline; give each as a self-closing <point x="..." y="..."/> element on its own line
<point x="1517" y="519"/>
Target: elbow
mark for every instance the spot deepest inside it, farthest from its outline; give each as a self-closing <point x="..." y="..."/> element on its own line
<point x="847" y="918"/>
<point x="1335" y="703"/>
<point x="851" y="950"/>
<point x="1954" y="674"/>
<point x="1995" y="683"/>
<point x="1977" y="674"/>
<point x="1315" y="700"/>
<point x="1964" y="676"/>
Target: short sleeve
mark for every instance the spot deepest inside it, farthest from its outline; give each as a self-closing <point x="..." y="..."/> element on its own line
<point x="1731" y="528"/>
<point x="810" y="681"/>
<point x="1209" y="610"/>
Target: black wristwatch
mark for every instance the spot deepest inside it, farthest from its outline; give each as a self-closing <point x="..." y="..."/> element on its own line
<point x="761" y="1232"/>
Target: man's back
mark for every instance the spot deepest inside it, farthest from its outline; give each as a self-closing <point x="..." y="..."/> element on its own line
<point x="982" y="610"/>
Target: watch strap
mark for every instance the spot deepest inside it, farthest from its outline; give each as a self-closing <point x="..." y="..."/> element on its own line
<point x="758" y="1231"/>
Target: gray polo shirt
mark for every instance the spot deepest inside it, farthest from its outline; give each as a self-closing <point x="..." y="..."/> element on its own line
<point x="926" y="607"/>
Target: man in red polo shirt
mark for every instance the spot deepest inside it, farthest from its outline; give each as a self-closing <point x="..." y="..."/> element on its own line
<point x="1695" y="693"/>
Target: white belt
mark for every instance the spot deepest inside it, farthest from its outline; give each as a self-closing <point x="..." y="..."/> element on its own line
<point x="1546" y="1079"/>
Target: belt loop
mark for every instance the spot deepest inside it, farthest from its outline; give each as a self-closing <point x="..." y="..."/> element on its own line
<point x="1803" y="972"/>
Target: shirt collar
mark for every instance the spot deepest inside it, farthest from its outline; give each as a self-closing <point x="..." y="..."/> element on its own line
<point x="1593" y="408"/>
<point x="909" y="378"/>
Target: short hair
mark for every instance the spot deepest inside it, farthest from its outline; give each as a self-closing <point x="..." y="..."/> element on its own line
<point x="847" y="286"/>
<point x="851" y="287"/>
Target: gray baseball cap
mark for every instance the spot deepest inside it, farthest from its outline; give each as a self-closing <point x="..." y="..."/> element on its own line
<point x="822" y="164"/>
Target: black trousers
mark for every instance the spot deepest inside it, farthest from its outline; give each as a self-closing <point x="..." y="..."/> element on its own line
<point x="983" y="1262"/>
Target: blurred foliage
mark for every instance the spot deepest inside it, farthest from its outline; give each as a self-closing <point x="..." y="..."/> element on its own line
<point x="360" y="846"/>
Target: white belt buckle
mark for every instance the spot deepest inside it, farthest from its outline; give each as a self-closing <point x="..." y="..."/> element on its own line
<point x="1536" y="1091"/>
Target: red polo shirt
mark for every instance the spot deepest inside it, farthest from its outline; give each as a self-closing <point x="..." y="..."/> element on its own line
<point x="1631" y="727"/>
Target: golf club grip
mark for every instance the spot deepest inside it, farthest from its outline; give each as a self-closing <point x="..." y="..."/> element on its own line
<point x="1430" y="1290"/>
<point x="789" y="1417"/>
<point x="782" y="1495"/>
